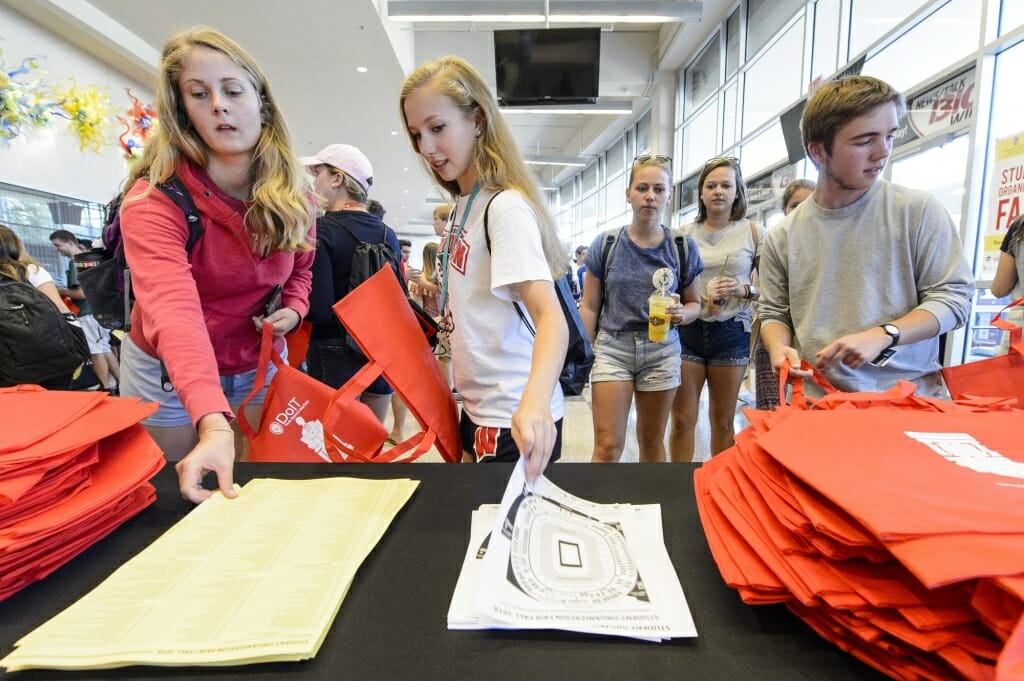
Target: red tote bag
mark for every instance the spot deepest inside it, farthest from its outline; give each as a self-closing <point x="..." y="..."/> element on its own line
<point x="292" y="426"/>
<point x="1001" y="376"/>
<point x="377" y="315"/>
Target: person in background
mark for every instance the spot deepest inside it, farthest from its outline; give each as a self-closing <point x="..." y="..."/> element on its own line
<point x="201" y="314"/>
<point x="862" y="277"/>
<point x="767" y="383"/>
<point x="16" y="264"/>
<point x="716" y="348"/>
<point x="579" y="267"/>
<point x="104" y="363"/>
<point x="1009" y="279"/>
<point x="431" y="285"/>
<point x="512" y="404"/>
<point x="342" y="176"/>
<point x="615" y="314"/>
<point x="374" y="207"/>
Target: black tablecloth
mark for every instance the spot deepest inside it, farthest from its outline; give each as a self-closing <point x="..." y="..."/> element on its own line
<point x="392" y="624"/>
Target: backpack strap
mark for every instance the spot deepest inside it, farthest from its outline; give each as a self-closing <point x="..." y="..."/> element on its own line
<point x="176" y="191"/>
<point x="487" y="233"/>
<point x="681" y="245"/>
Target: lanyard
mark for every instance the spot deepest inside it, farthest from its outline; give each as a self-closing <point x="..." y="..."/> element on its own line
<point x="454" y="235"/>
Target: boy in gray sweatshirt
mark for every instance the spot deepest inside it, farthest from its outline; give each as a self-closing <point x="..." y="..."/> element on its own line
<point x="862" y="277"/>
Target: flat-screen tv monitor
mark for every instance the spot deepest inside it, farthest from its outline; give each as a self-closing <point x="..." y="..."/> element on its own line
<point x="547" y="66"/>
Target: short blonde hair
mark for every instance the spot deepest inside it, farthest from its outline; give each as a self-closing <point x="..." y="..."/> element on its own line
<point x="443" y="212"/>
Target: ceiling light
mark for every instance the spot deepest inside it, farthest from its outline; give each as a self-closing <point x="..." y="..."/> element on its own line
<point x="394" y="132"/>
<point x="599" y="109"/>
<point x="559" y="11"/>
<point x="544" y="160"/>
<point x="362" y="69"/>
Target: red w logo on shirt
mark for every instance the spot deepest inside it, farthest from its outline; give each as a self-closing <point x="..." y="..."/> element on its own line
<point x="459" y="256"/>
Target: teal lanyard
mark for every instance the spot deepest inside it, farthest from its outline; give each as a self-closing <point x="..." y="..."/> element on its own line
<point x="453" y="238"/>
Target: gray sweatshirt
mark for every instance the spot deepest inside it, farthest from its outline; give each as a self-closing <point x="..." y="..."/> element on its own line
<point x="827" y="273"/>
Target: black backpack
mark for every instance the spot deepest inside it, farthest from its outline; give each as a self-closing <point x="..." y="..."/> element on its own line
<point x="579" y="355"/>
<point x="368" y="258"/>
<point x="37" y="341"/>
<point x="103" y="272"/>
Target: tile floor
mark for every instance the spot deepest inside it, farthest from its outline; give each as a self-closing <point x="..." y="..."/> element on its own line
<point x="578" y="431"/>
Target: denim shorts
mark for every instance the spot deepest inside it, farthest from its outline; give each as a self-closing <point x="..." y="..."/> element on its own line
<point x="141" y="377"/>
<point x="629" y="356"/>
<point x="716" y="343"/>
<point x="333" y="362"/>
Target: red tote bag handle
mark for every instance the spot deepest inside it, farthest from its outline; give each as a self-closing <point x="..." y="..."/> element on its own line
<point x="797" y="382"/>
<point x="267" y="355"/>
<point x="1016" y="343"/>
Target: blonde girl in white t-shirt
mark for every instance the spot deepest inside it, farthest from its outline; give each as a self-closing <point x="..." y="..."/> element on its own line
<point x="508" y="380"/>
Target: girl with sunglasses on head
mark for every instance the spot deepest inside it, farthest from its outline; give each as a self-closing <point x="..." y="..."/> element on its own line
<point x="512" y="404"/>
<point x="716" y="348"/>
<point x="615" y="313"/>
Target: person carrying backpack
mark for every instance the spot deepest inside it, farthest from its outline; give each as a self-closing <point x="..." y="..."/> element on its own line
<point x="41" y="342"/>
<point x="196" y="322"/>
<point x="616" y="286"/>
<point x="352" y="244"/>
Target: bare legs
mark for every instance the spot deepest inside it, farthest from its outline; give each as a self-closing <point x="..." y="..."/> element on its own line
<point x="610" y="402"/>
<point x="723" y="389"/>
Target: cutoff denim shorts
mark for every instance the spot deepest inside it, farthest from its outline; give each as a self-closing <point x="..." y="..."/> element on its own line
<point x="716" y="343"/>
<point x="629" y="356"/>
<point x="140" y="377"/>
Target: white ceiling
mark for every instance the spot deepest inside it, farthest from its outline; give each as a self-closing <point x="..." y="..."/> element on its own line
<point x="310" y="50"/>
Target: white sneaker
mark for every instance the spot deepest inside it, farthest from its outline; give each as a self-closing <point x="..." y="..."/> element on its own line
<point x="746" y="397"/>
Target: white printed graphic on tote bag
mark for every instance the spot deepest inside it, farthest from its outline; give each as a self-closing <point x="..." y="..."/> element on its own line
<point x="963" y="450"/>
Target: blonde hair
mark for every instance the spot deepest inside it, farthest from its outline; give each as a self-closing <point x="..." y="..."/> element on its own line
<point x="444" y="212"/>
<point x="429" y="259"/>
<point x="278" y="216"/>
<point x="14" y="260"/>
<point x="496" y="157"/>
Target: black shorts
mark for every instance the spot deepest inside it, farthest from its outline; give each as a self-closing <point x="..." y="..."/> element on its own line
<point x="496" y="444"/>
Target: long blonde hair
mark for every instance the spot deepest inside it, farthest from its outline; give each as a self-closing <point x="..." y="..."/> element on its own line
<point x="496" y="157"/>
<point x="278" y="216"/>
<point x="429" y="259"/>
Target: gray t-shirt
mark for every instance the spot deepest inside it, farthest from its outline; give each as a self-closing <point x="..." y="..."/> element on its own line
<point x="728" y="252"/>
<point x="827" y="273"/>
<point x="627" y="284"/>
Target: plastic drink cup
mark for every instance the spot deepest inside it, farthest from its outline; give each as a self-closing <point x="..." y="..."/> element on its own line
<point x="714" y="304"/>
<point x="659" y="321"/>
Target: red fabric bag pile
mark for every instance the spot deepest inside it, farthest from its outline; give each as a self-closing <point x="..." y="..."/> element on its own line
<point x="891" y="523"/>
<point x="73" y="467"/>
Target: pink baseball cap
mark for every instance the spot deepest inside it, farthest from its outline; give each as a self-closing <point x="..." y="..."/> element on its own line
<point x="345" y="158"/>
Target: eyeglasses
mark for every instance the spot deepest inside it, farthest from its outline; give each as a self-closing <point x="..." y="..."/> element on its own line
<point x="731" y="160"/>
<point x="657" y="158"/>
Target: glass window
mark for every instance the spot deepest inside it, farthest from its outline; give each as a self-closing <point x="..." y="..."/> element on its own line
<point x="643" y="134"/>
<point x="589" y="178"/>
<point x="1012" y="17"/>
<point x="730" y="130"/>
<point x="699" y="139"/>
<point x="732" y="43"/>
<point x="774" y="82"/>
<point x="588" y="213"/>
<point x="871" y="19"/>
<point x="702" y="77"/>
<point x="764" y="20"/>
<point x="566" y="194"/>
<point x="615" y="197"/>
<point x="616" y="158"/>
<point x="943" y="38"/>
<point x="825" y="55"/>
<point x="763" y="151"/>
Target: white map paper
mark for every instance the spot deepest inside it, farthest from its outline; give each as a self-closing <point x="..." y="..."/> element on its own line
<point x="555" y="561"/>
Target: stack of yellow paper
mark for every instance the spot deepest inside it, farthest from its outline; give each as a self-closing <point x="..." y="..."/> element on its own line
<point x="259" y="578"/>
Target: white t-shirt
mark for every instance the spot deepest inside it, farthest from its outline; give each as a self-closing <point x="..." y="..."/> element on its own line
<point x="492" y="350"/>
<point x="37" y="276"/>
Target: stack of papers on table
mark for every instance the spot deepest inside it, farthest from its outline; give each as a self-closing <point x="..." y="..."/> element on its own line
<point x="259" y="578"/>
<point x="545" y="559"/>
<point x="73" y="467"/>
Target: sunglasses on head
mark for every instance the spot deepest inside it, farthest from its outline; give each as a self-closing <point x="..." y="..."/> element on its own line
<point x="657" y="158"/>
<point x="731" y="160"/>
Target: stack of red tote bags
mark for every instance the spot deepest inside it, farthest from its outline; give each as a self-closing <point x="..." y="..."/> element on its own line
<point x="892" y="524"/>
<point x="73" y="467"/>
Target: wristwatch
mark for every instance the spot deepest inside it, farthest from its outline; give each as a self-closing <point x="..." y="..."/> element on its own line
<point x="893" y="331"/>
<point x="752" y="292"/>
